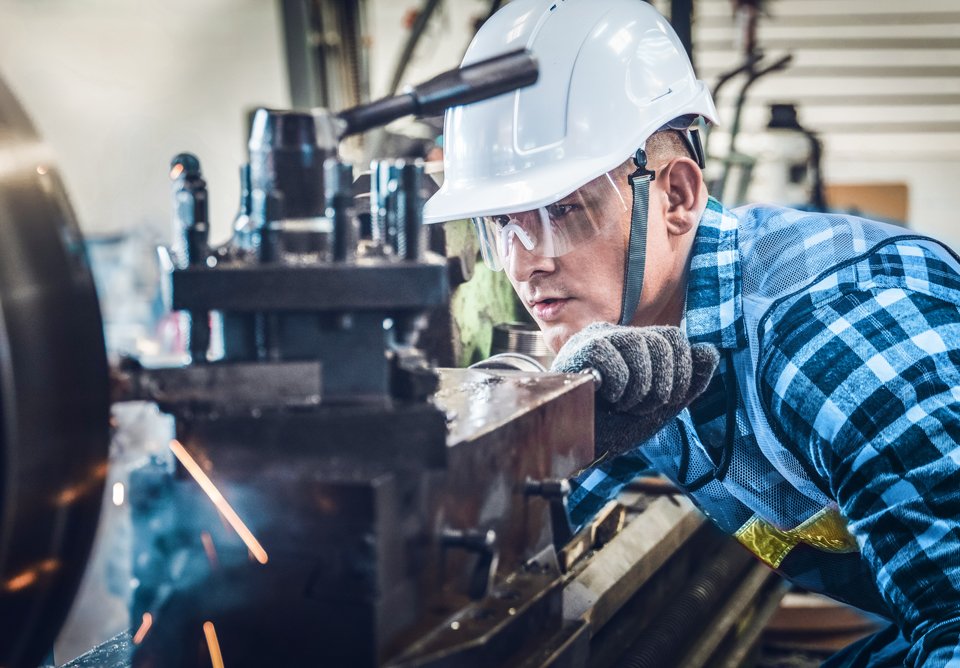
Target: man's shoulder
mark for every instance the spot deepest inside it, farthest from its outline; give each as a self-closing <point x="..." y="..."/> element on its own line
<point x="898" y="268"/>
<point x="884" y="302"/>
<point x="793" y="258"/>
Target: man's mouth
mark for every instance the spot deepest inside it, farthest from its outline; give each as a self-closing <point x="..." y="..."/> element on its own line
<point x="549" y="309"/>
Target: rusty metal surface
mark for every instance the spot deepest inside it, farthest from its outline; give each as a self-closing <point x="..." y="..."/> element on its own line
<point x="515" y="619"/>
<point x="482" y="401"/>
<point x="506" y="427"/>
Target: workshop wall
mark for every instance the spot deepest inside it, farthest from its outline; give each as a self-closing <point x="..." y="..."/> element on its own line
<point x="878" y="79"/>
<point x="117" y="88"/>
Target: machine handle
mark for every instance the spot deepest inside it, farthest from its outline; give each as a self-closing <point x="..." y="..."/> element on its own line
<point x="463" y="85"/>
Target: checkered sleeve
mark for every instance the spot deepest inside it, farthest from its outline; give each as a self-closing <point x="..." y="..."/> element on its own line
<point x="592" y="488"/>
<point x="865" y="387"/>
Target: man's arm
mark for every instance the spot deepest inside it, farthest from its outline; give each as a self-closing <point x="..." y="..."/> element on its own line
<point x="866" y="389"/>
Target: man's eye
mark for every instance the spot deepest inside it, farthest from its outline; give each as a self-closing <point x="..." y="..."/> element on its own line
<point x="501" y="221"/>
<point x="560" y="210"/>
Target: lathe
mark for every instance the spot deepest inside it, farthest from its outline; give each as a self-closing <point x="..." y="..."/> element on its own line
<point x="329" y="498"/>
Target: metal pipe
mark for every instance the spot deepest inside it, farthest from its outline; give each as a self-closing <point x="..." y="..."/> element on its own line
<point x="458" y="86"/>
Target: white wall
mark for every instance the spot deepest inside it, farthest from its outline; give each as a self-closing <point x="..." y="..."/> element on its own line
<point x="931" y="184"/>
<point x="117" y="87"/>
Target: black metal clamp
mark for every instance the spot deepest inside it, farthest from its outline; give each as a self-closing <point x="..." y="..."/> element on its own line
<point x="556" y="492"/>
<point x="483" y="544"/>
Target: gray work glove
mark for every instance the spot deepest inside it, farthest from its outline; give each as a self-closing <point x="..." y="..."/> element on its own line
<point x="647" y="375"/>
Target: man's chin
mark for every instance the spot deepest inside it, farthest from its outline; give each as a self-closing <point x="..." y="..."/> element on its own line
<point x="557" y="334"/>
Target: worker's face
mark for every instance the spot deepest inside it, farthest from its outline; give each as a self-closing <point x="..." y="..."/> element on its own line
<point x="583" y="285"/>
<point x="566" y="293"/>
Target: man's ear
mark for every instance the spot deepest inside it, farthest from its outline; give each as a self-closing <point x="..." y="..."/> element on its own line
<point x="682" y="182"/>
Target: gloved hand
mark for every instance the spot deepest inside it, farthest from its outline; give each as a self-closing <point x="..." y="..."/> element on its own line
<point x="647" y="376"/>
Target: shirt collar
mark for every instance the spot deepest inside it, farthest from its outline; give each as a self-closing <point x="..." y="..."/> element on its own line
<point x="714" y="311"/>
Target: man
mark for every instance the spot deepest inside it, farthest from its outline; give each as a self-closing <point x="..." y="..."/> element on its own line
<point x="797" y="374"/>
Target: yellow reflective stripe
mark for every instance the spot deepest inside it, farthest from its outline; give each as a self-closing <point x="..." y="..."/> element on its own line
<point x="766" y="541"/>
<point x="826" y="530"/>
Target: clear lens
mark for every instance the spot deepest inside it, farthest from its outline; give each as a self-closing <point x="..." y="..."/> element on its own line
<point x="556" y="229"/>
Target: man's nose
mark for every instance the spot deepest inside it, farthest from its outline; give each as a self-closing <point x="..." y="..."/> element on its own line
<point x="522" y="265"/>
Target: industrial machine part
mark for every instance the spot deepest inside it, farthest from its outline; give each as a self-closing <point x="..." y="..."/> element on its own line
<point x="330" y="499"/>
<point x="54" y="397"/>
<point x="791" y="158"/>
<point x="375" y="523"/>
<point x="329" y="334"/>
<point x="514" y="361"/>
<point x="365" y="499"/>
<point x="631" y="588"/>
<point x="325" y="53"/>
<point x="521" y="337"/>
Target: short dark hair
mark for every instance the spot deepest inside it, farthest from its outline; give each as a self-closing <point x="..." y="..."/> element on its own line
<point x="665" y="145"/>
<point x="661" y="146"/>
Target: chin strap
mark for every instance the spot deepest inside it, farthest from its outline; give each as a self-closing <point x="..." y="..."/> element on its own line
<point x="637" y="247"/>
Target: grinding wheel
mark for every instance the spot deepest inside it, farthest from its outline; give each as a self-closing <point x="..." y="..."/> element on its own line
<point x="54" y="396"/>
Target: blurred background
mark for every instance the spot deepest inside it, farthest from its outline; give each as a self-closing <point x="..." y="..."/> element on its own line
<point x="851" y="105"/>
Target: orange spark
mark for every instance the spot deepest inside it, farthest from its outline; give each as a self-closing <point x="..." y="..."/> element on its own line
<point x="144" y="627"/>
<point x="213" y="645"/>
<point x="209" y="548"/>
<point x="70" y="494"/>
<point x="221" y="503"/>
<point x="29" y="576"/>
<point x="48" y="566"/>
<point x="21" y="581"/>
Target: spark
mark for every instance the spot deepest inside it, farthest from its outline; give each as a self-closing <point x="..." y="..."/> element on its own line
<point x="118" y="491"/>
<point x="209" y="548"/>
<point x="70" y="494"/>
<point x="221" y="503"/>
<point x="213" y="645"/>
<point x="144" y="627"/>
<point x="21" y="581"/>
<point x="30" y="576"/>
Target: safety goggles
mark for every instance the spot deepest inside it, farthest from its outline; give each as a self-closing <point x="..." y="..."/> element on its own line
<point x="592" y="211"/>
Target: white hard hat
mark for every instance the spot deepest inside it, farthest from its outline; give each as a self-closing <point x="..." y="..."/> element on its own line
<point x="612" y="72"/>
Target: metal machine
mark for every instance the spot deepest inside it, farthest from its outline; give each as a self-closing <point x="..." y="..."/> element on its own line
<point x="330" y="498"/>
<point x="366" y="495"/>
<point x="54" y="397"/>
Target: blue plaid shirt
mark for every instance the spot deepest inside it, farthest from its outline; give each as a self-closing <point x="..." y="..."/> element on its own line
<point x="860" y="379"/>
